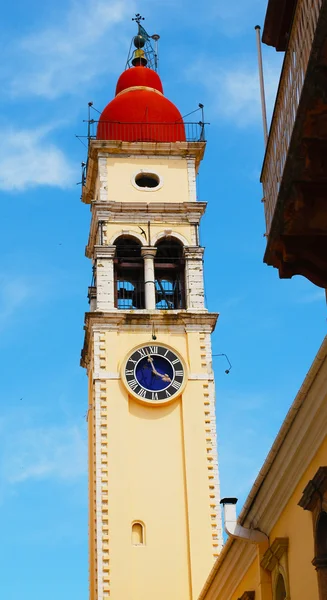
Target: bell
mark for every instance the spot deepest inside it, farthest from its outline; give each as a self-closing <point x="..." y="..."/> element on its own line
<point x="139" y="58"/>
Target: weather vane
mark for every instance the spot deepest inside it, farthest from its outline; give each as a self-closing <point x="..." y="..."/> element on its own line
<point x="145" y="54"/>
<point x="138" y="18"/>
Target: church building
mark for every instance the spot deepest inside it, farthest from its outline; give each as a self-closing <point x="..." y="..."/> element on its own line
<point x="154" y="516"/>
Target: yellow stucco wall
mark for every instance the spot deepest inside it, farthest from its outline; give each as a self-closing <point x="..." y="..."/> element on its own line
<point x="157" y="472"/>
<point x="249" y="583"/>
<point x="122" y="170"/>
<point x="296" y="524"/>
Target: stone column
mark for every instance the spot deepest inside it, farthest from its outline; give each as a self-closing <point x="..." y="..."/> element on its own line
<point x="148" y="253"/>
<point x="104" y="262"/>
<point x="194" y="277"/>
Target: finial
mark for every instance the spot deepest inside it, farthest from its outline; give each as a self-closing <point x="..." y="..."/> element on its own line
<point x="138" y="18"/>
<point x="139" y="40"/>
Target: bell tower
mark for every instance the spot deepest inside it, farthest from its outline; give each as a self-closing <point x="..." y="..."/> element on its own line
<point x="154" y="523"/>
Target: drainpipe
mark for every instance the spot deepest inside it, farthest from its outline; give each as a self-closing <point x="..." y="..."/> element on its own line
<point x="232" y="528"/>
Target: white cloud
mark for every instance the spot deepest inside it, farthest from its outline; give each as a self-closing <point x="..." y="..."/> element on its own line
<point x="38" y="453"/>
<point x="233" y="92"/>
<point x="81" y="45"/>
<point x="29" y="159"/>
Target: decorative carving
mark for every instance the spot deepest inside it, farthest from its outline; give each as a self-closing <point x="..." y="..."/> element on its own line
<point x="274" y="553"/>
<point x="315" y="490"/>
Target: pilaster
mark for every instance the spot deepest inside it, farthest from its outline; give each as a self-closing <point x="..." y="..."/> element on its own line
<point x="104" y="262"/>
<point x="194" y="277"/>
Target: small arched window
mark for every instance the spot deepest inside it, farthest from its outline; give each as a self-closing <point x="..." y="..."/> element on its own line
<point x="280" y="593"/>
<point x="138" y="534"/>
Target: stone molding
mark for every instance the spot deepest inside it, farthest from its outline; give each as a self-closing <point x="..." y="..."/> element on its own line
<point x="148" y="251"/>
<point x="237" y="559"/>
<point x="166" y="320"/>
<point x="193" y="252"/>
<point x="104" y="252"/>
<point x="274" y="553"/>
<point x="141" y="212"/>
<point x="314" y="490"/>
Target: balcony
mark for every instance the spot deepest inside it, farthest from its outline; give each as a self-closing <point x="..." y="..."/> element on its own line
<point x="147" y="132"/>
<point x="294" y="173"/>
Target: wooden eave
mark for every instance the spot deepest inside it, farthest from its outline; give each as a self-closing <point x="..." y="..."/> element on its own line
<point x="278" y="23"/>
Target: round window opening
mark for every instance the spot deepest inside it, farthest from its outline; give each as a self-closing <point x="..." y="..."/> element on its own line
<point x="147" y="180"/>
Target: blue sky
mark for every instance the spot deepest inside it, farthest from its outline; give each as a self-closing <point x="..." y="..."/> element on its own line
<point x="56" y="57"/>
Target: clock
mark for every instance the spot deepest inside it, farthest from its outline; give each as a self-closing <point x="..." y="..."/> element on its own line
<point x="154" y="373"/>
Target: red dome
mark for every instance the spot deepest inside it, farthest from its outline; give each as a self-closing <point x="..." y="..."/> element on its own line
<point x="137" y="76"/>
<point x="139" y="113"/>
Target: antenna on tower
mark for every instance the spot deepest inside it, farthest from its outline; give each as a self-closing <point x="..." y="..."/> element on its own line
<point x="143" y="53"/>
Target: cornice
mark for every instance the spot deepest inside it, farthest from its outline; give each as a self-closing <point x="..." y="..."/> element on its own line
<point x="113" y="148"/>
<point x="162" y="320"/>
<point x="142" y="212"/>
<point x="298" y="440"/>
<point x="232" y="564"/>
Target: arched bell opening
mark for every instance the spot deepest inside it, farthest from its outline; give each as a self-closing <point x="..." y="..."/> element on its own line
<point x="169" y="268"/>
<point x="128" y="272"/>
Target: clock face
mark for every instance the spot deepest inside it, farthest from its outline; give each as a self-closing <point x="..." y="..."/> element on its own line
<point x="154" y="373"/>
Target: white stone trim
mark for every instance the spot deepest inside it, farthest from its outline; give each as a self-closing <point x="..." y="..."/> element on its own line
<point x="191" y="178"/>
<point x="211" y="445"/>
<point x="103" y="179"/>
<point x="130" y="232"/>
<point x="172" y="233"/>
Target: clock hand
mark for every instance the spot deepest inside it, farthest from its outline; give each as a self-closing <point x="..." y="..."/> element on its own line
<point x="164" y="377"/>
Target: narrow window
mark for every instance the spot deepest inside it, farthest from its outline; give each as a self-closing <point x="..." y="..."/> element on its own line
<point x="280" y="588"/>
<point x="129" y="278"/>
<point x="169" y="275"/>
<point x="137" y="534"/>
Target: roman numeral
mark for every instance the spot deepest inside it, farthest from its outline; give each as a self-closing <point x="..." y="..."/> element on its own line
<point x="179" y="373"/>
<point x="133" y="384"/>
<point x="129" y="372"/>
<point x="173" y="362"/>
<point x="155" y="396"/>
<point x="142" y="393"/>
<point x="176" y="385"/>
<point x="166" y="352"/>
<point x="153" y="349"/>
<point x="132" y="361"/>
<point x="142" y="352"/>
<point x="168" y="394"/>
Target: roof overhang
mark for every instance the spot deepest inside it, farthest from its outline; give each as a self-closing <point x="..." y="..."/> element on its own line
<point x="278" y="23"/>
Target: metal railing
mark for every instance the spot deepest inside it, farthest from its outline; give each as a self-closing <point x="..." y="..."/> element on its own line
<point x="147" y="132"/>
<point x="129" y="294"/>
<point x="169" y="294"/>
<point x="287" y="101"/>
